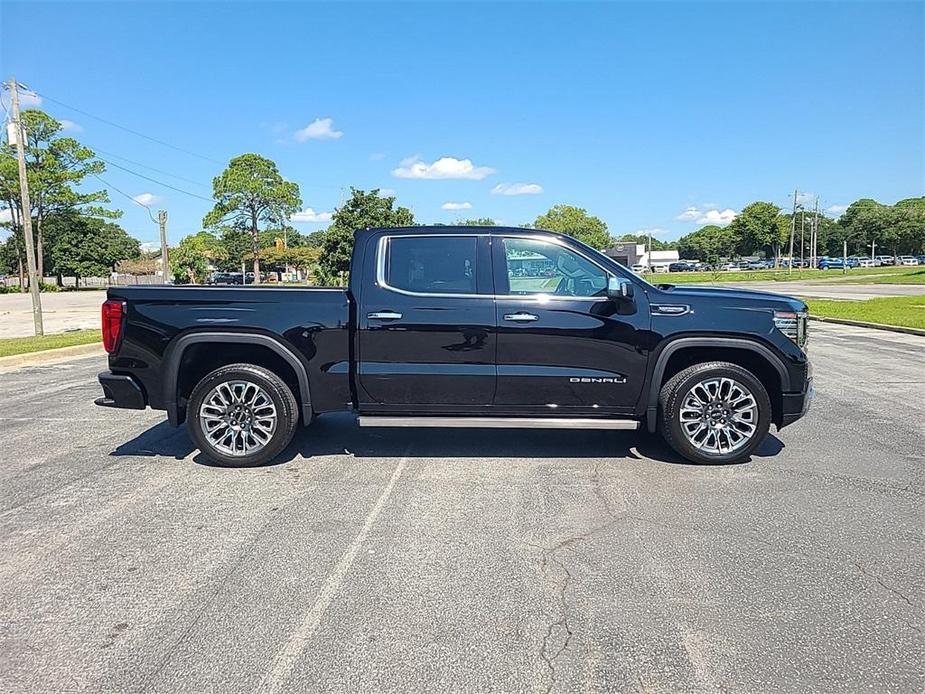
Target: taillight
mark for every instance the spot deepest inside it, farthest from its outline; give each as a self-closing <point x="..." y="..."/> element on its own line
<point x="113" y="316"/>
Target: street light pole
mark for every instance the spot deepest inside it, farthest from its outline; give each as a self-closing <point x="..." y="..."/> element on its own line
<point x="26" y="216"/>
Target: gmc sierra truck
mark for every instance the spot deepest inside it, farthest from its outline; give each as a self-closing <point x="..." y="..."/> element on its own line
<point x="462" y="327"/>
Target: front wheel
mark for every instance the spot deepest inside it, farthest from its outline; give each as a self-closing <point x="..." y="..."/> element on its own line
<point x="715" y="412"/>
<point x="242" y="415"/>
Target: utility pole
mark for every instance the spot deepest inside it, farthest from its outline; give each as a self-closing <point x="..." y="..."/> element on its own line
<point x="26" y="216"/>
<point x="802" y="232"/>
<point x="165" y="261"/>
<point x="649" y="256"/>
<point x="815" y="231"/>
<point x="793" y="229"/>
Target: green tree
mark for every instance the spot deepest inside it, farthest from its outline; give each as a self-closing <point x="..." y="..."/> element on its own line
<point x="251" y="192"/>
<point x="576" y="222"/>
<point x="364" y="209"/>
<point x="189" y="261"/>
<point x="710" y="243"/>
<point x="88" y="246"/>
<point x="56" y="168"/>
<point x="759" y="227"/>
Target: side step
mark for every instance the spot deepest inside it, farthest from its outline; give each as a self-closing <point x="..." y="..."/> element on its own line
<point x="498" y="422"/>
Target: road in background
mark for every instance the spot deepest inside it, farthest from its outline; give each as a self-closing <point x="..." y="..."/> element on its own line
<point x="825" y="289"/>
<point x="427" y="560"/>
<point x="61" y="311"/>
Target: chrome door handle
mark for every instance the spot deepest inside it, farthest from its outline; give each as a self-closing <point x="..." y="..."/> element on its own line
<point x="521" y="317"/>
<point x="384" y="315"/>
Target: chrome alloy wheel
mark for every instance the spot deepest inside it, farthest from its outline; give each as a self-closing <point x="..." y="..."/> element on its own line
<point x="719" y="415"/>
<point x="238" y="418"/>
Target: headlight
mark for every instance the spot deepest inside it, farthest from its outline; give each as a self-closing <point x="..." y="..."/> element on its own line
<point x="793" y="325"/>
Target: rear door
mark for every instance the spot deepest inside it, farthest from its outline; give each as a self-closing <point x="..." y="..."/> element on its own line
<point x="426" y="325"/>
<point x="563" y="346"/>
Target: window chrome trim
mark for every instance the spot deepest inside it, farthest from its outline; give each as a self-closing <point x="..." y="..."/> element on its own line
<point x="382" y="247"/>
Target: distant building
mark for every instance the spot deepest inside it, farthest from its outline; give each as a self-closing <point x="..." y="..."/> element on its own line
<point x="629" y="254"/>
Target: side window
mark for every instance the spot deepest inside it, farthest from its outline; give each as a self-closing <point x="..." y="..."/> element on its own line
<point x="432" y="264"/>
<point x="539" y="267"/>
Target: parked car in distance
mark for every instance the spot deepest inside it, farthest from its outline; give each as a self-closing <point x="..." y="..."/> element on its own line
<point x="225" y="278"/>
<point x="907" y="260"/>
<point x="827" y="263"/>
<point x="639" y="268"/>
<point x="680" y="266"/>
<point x="435" y="330"/>
<point x="864" y="261"/>
<point x="885" y="260"/>
<point x="921" y="259"/>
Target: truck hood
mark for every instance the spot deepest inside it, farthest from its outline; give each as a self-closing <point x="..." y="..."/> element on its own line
<point x="732" y="297"/>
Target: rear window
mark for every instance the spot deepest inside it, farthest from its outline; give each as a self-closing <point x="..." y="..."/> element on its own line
<point x="432" y="264"/>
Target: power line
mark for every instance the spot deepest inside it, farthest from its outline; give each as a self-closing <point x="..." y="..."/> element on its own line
<point x="146" y="166"/>
<point x="110" y="185"/>
<point x="128" y="130"/>
<point x="154" y="180"/>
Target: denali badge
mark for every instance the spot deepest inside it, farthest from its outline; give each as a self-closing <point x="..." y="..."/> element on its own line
<point x="618" y="379"/>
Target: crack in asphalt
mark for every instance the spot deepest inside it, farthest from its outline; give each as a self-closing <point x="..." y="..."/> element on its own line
<point x="561" y="629"/>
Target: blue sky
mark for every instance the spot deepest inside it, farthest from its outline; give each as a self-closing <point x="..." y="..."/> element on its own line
<point x="651" y="116"/>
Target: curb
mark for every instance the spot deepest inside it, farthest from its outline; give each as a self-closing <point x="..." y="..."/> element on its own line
<point x="49" y="356"/>
<point x="875" y="326"/>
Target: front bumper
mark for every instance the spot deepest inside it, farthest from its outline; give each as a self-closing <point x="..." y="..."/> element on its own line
<point x="122" y="391"/>
<point x="795" y="405"/>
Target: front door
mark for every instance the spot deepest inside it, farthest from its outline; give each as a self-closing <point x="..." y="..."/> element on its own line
<point x="427" y="325"/>
<point x="564" y="348"/>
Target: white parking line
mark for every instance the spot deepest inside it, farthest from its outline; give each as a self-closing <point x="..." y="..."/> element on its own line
<point x="284" y="662"/>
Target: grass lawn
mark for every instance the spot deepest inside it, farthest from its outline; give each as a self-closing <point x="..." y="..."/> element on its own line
<point x="906" y="275"/>
<point x="777" y="275"/>
<point x="907" y="311"/>
<point x="21" y="345"/>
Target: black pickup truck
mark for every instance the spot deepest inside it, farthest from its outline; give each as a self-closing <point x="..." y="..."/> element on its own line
<point x="462" y="327"/>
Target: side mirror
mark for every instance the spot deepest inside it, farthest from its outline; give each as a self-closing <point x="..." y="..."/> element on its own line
<point x="620" y="289"/>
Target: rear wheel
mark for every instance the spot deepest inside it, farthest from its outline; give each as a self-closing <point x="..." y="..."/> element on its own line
<point x="242" y="415"/>
<point x="715" y="412"/>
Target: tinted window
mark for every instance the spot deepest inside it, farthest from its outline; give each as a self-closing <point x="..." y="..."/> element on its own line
<point x="538" y="267"/>
<point x="432" y="264"/>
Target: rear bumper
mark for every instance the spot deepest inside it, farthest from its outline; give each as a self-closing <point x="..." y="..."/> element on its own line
<point x="122" y="391"/>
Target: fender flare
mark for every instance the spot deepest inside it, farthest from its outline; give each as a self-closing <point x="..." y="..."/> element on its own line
<point x="177" y="347"/>
<point x="664" y="355"/>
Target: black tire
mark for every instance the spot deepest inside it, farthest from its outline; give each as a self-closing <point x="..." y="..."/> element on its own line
<point x="287" y="410"/>
<point x="678" y="386"/>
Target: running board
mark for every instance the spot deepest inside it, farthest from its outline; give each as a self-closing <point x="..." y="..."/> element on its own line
<point x="498" y="422"/>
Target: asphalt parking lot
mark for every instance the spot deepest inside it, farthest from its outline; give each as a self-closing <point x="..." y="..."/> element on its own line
<point x="448" y="561"/>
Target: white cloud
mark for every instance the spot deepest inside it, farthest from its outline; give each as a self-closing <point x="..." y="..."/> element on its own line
<point x="70" y="126"/>
<point x="149" y="246"/>
<point x="147" y="199"/>
<point x="707" y="216"/>
<point x="517" y="189"/>
<point x="655" y="231"/>
<point x="445" y="167"/>
<point x="836" y="210"/>
<point x="6" y="215"/>
<point x="318" y="129"/>
<point x="456" y="206"/>
<point x="806" y="199"/>
<point x="308" y="215"/>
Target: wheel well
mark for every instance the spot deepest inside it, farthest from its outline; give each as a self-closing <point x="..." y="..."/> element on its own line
<point x="202" y="358"/>
<point x="755" y="363"/>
